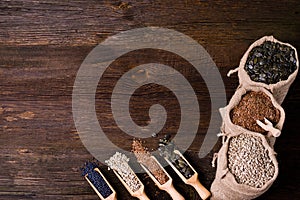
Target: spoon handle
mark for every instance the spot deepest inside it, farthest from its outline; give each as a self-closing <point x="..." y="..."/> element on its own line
<point x="143" y="196"/>
<point x="201" y="190"/>
<point x="174" y="194"/>
<point x="112" y="197"/>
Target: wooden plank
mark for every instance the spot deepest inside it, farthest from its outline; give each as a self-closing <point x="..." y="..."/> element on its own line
<point x="43" y="43"/>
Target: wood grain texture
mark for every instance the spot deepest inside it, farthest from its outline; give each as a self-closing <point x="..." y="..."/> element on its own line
<point x="43" y="43"/>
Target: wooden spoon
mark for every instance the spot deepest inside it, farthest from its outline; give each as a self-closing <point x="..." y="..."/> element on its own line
<point x="140" y="193"/>
<point x="193" y="181"/>
<point x="113" y="195"/>
<point x="167" y="186"/>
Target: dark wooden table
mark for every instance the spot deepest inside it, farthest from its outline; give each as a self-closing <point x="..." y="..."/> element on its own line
<point x="42" y="45"/>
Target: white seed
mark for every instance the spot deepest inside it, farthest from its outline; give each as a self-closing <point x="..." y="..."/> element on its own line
<point x="119" y="162"/>
<point x="248" y="161"/>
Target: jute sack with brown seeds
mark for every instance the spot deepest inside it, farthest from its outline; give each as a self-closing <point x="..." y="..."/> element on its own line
<point x="252" y="112"/>
<point x="280" y="88"/>
<point x="246" y="167"/>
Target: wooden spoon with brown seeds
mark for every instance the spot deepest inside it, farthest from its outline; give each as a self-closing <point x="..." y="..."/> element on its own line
<point x="167" y="186"/>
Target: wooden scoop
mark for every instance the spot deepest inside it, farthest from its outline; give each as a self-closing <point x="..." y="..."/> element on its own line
<point x="140" y="193"/>
<point x="268" y="126"/>
<point x="167" y="186"/>
<point x="193" y="181"/>
<point x="113" y="195"/>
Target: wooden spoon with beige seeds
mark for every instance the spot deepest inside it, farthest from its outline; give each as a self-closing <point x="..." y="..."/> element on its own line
<point x="154" y="169"/>
<point x="119" y="164"/>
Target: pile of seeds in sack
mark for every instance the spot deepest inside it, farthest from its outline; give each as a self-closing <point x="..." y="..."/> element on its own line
<point x="246" y="162"/>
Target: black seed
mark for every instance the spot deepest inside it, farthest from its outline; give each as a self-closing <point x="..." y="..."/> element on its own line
<point x="188" y="173"/>
<point x="255" y="60"/>
<point x="261" y="62"/>
<point x="270" y="62"/>
<point x="167" y="150"/>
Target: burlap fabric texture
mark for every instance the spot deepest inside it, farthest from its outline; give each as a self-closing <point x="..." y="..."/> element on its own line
<point x="225" y="186"/>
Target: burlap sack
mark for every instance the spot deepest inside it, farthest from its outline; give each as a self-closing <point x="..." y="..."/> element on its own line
<point x="225" y="187"/>
<point x="279" y="89"/>
<point x="228" y="128"/>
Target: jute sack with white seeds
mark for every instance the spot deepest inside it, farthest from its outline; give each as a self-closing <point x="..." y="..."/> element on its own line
<point x="273" y="130"/>
<point x="278" y="89"/>
<point x="246" y="167"/>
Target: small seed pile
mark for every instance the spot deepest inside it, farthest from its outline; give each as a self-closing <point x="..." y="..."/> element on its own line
<point x="96" y="179"/>
<point x="166" y="149"/>
<point x="144" y="157"/>
<point x="249" y="161"/>
<point x="119" y="163"/>
<point x="270" y="62"/>
<point x="254" y="106"/>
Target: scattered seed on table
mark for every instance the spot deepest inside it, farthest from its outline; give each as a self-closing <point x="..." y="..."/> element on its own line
<point x="248" y="161"/>
<point x="119" y="163"/>
<point x="254" y="106"/>
<point x="270" y="62"/>
<point x="96" y="179"/>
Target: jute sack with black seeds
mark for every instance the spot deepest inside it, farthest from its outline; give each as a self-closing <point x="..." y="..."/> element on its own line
<point x="246" y="167"/>
<point x="271" y="64"/>
<point x="248" y="105"/>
